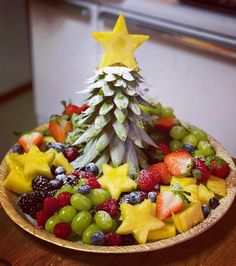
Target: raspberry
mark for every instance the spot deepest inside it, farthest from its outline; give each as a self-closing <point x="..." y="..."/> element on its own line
<point x="63" y="199"/>
<point x="41" y="217"/>
<point x="147" y="180"/>
<point x="113" y="240"/>
<point x="82" y="174"/>
<point x="93" y="183"/>
<point x="62" y="230"/>
<point x="50" y="205"/>
<point x="110" y="206"/>
<point x="164" y="148"/>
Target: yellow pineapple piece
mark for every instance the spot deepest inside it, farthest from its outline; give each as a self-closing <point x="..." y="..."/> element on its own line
<point x="60" y="160"/>
<point x="116" y="180"/>
<point x="188" y="218"/>
<point x="217" y="185"/>
<point x="193" y="189"/>
<point x="183" y="181"/>
<point x="16" y="181"/>
<point x="15" y="160"/>
<point x="138" y="220"/>
<point x="168" y="230"/>
<point x="204" y="194"/>
<point x="165" y="188"/>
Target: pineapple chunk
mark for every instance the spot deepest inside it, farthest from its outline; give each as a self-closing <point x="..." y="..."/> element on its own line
<point x="168" y="230"/>
<point x="193" y="189"/>
<point x="17" y="182"/>
<point x="183" y="181"/>
<point x="60" y="160"/>
<point x="165" y="188"/>
<point x="189" y="217"/>
<point x="204" y="194"/>
<point x="15" y="160"/>
<point x="217" y="185"/>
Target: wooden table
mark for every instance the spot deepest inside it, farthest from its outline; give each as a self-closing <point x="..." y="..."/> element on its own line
<point x="217" y="246"/>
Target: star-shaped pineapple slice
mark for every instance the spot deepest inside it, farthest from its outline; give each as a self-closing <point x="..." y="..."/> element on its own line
<point x="138" y="220"/>
<point x="116" y="180"/>
<point x="119" y="45"/>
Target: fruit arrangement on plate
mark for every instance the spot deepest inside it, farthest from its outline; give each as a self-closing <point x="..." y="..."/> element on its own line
<point x="119" y="170"/>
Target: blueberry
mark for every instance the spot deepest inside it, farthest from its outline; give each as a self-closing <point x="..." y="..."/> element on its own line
<point x="124" y="198"/>
<point x="134" y="197"/>
<point x="213" y="203"/>
<point x="60" y="171"/>
<point x="49" y="145"/>
<point x="55" y="183"/>
<point x="58" y="147"/>
<point x="84" y="189"/>
<point x="205" y="210"/>
<point x="152" y="195"/>
<point x="17" y="149"/>
<point x="188" y="147"/>
<point x="91" y="168"/>
<point x="98" y="238"/>
<point x="61" y="177"/>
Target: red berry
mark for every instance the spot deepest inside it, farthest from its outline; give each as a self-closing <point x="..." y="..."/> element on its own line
<point x="41" y="218"/>
<point x="110" y="206"/>
<point x="220" y="168"/>
<point x="82" y="174"/>
<point x="50" y="205"/>
<point x="63" y="199"/>
<point x="147" y="180"/>
<point x="201" y="171"/>
<point x="84" y="107"/>
<point x="93" y="183"/>
<point x="71" y="153"/>
<point x="62" y="230"/>
<point x="164" y="148"/>
<point x="113" y="239"/>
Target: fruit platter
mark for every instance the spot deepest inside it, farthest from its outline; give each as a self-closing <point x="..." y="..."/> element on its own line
<point x="118" y="173"/>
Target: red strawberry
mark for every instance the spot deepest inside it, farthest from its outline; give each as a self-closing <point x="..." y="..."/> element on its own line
<point x="165" y="123"/>
<point x="62" y="230"/>
<point x="179" y="163"/>
<point x="84" y="107"/>
<point x="219" y="167"/>
<point x="200" y="170"/>
<point x="63" y="199"/>
<point x="163" y="171"/>
<point x="147" y="180"/>
<point x="50" y="205"/>
<point x="71" y="109"/>
<point x="29" y="139"/>
<point x="93" y="183"/>
<point x="164" y="148"/>
<point x="41" y="218"/>
<point x="168" y="204"/>
<point x="59" y="126"/>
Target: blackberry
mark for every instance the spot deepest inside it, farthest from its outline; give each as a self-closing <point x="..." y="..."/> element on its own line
<point x="128" y="240"/>
<point x="41" y="183"/>
<point x="31" y="203"/>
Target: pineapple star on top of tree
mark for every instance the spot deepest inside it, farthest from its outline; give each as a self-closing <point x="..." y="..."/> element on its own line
<point x="119" y="45"/>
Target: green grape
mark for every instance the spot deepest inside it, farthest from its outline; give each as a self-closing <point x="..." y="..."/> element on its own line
<point x="98" y="196"/>
<point x="82" y="181"/>
<point x="103" y="220"/>
<point x="91" y="229"/>
<point x="167" y="111"/>
<point x="81" y="221"/>
<point x="175" y="145"/>
<point x="198" y="154"/>
<point x="206" y="148"/>
<point x="51" y="222"/>
<point x="199" y="134"/>
<point x="67" y="213"/>
<point x="178" y="132"/>
<point x="81" y="202"/>
<point x="190" y="139"/>
<point x="67" y="188"/>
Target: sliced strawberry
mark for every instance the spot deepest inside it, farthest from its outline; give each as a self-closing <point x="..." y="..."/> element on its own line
<point x="219" y="167"/>
<point x="167" y="204"/>
<point x="200" y="170"/>
<point x="165" y="123"/>
<point x="84" y="107"/>
<point x="59" y="127"/>
<point x="179" y="163"/>
<point x="71" y="109"/>
<point x="29" y="139"/>
<point x="163" y="171"/>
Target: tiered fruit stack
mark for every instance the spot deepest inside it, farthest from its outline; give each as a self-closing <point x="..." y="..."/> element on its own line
<point x="117" y="170"/>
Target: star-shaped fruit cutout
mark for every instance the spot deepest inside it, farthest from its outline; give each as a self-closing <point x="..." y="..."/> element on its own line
<point x="116" y="180"/>
<point x="119" y="45"/>
<point x="138" y="220"/>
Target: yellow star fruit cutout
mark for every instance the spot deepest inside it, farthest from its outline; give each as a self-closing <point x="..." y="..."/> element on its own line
<point x="138" y="220"/>
<point x="119" y="45"/>
<point x="116" y="180"/>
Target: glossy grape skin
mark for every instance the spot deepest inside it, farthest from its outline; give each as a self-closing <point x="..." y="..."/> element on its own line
<point x="175" y="145"/>
<point x="178" y="132"/>
<point x="190" y="139"/>
<point x="103" y="220"/>
<point x="98" y="196"/>
<point x="81" y="202"/>
<point x="81" y="221"/>
<point x="67" y="188"/>
<point x="67" y="213"/>
<point x="206" y="148"/>
<point x="198" y="154"/>
<point x="51" y="222"/>
<point x="86" y="237"/>
<point x="199" y="134"/>
<point x="167" y="111"/>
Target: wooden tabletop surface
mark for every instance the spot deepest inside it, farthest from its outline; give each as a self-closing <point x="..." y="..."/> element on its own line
<point x="217" y="246"/>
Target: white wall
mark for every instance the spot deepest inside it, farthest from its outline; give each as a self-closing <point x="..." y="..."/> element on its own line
<point x="14" y="49"/>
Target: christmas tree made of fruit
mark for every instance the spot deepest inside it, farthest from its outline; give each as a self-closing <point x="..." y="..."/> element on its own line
<point x="113" y="129"/>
